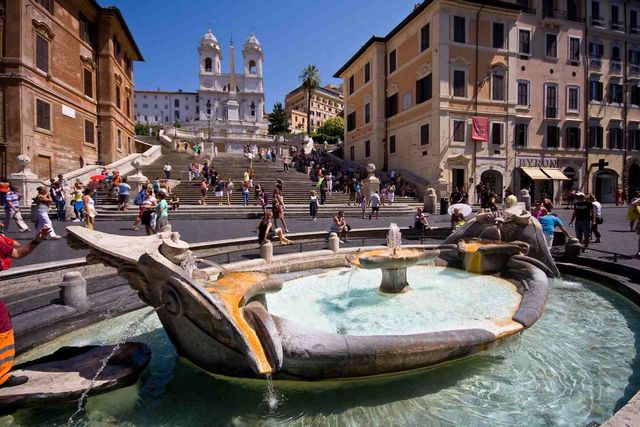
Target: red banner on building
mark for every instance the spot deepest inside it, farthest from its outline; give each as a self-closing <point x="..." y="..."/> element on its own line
<point x="480" y="129"/>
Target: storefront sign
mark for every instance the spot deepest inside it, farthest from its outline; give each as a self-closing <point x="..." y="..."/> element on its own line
<point x="537" y="162"/>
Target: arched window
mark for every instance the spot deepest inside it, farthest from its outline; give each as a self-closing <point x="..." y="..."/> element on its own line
<point x="253" y="109"/>
<point x="207" y="64"/>
<point x="252" y="67"/>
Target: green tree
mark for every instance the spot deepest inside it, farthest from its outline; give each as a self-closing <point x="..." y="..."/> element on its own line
<point x="310" y="78"/>
<point x="333" y="127"/>
<point x="278" y="120"/>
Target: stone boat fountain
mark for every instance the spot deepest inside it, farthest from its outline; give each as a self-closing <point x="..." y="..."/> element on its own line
<point x="219" y="319"/>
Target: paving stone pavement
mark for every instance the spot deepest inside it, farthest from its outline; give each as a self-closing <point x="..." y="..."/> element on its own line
<point x="615" y="233"/>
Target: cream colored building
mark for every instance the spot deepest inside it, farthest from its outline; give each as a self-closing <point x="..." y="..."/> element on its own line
<point x="326" y="102"/>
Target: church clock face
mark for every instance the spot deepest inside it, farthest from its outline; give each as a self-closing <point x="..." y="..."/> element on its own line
<point x="207" y="82"/>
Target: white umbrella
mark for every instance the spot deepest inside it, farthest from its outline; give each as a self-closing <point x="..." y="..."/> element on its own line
<point x="462" y="208"/>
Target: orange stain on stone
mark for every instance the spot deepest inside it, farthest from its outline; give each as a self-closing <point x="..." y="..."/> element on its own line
<point x="231" y="289"/>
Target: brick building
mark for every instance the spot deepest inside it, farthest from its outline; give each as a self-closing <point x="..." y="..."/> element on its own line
<point x="66" y="85"/>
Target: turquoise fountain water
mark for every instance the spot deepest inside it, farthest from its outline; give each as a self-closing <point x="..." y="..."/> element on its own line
<point x="578" y="363"/>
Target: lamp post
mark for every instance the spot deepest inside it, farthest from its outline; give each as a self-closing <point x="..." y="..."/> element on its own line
<point x="209" y="127"/>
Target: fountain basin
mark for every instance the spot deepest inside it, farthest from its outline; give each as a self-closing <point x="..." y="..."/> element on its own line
<point x="488" y="257"/>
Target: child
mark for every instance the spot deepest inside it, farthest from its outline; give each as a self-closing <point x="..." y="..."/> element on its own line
<point x="363" y="205"/>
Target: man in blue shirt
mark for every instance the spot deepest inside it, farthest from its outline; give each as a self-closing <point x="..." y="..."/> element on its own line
<point x="549" y="222"/>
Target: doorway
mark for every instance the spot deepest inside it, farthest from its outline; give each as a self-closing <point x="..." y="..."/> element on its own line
<point x="569" y="184"/>
<point x="493" y="179"/>
<point x="457" y="179"/>
<point x="605" y="186"/>
<point x="634" y="180"/>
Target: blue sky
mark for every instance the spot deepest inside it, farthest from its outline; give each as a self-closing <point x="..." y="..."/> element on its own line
<point x="325" y="33"/>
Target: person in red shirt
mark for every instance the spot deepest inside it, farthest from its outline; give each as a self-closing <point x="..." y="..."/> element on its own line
<point x="10" y="249"/>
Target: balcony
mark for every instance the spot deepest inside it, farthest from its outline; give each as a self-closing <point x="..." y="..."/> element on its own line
<point x="597" y="21"/>
<point x="551" y="113"/>
<point x="557" y="16"/>
<point x="634" y="69"/>
<point x="595" y="62"/>
<point x="615" y="65"/>
<point x="634" y="30"/>
<point x="616" y="25"/>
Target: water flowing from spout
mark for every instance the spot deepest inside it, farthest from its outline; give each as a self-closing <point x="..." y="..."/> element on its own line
<point x="394" y="238"/>
<point x="271" y="398"/>
<point x="129" y="331"/>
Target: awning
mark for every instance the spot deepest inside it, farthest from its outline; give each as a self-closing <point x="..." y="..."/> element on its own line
<point x="535" y="173"/>
<point x="556" y="174"/>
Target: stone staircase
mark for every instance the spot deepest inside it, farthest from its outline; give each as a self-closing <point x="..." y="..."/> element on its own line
<point x="296" y="189"/>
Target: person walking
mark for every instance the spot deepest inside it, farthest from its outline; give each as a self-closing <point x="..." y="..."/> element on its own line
<point x="43" y="204"/>
<point x="76" y="201"/>
<point x="313" y="205"/>
<point x="549" y="223"/>
<point x="245" y="194"/>
<point x="363" y="205"/>
<point x="204" y="187"/>
<point x="148" y="206"/>
<point x="633" y="214"/>
<point x="219" y="190"/>
<point x="12" y="210"/>
<point x="618" y="197"/>
<point x="339" y="226"/>
<point x="374" y="202"/>
<point x="391" y="193"/>
<point x="60" y="199"/>
<point x="323" y="191"/>
<point x="123" y="194"/>
<point x="278" y="209"/>
<point x="162" y="212"/>
<point x="597" y="210"/>
<point x="584" y="217"/>
<point x="89" y="209"/>
<point x="229" y="189"/>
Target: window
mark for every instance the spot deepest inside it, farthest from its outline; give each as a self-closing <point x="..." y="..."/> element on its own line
<point x="118" y="96"/>
<point x="425" y="37"/>
<point x="352" y="153"/>
<point x="615" y="18"/>
<point x="351" y="84"/>
<point x="615" y="93"/>
<point x="616" y="58"/>
<point x="43" y="114"/>
<point x="634" y="139"/>
<point x="553" y="136"/>
<point x="524" y="42"/>
<point x="596" y="52"/>
<point x="47" y="4"/>
<point x="497" y="39"/>
<point x="367" y="112"/>
<point x="42" y="53"/>
<point x="551" y="100"/>
<point x="392" y="144"/>
<point x="633" y="21"/>
<point x="634" y="57"/>
<point x="252" y="67"/>
<point x="176" y="115"/>
<point x="145" y="105"/>
<point x="595" y="136"/>
<point x="351" y="121"/>
<point x="635" y="95"/>
<point x="392" y="105"/>
<point x="367" y="148"/>
<point x="615" y="138"/>
<point x="407" y="101"/>
<point x="253" y="109"/>
<point x="523" y="93"/>
<point x="88" y="82"/>
<point x="89" y="132"/>
<point x="595" y="91"/>
<point x="367" y="72"/>
<point x="497" y="86"/>
<point x="459" y="83"/>
<point x="595" y="14"/>
<point x="573" y="137"/>
<point x="85" y="28"/>
<point x="459" y="29"/>
<point x="392" y="61"/>
<point x="128" y="107"/>
<point x="119" y="134"/>
<point x="574" y="49"/>
<point x="117" y="49"/>
<point x="573" y="99"/>
<point x="423" y="89"/>
<point x="522" y="131"/>
<point x="459" y="130"/>
<point x="551" y="45"/>
<point x="424" y="134"/>
<point x="176" y="103"/>
<point x="496" y="133"/>
<point x="207" y="65"/>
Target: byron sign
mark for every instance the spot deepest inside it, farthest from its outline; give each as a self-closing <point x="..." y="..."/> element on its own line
<point x="537" y="162"/>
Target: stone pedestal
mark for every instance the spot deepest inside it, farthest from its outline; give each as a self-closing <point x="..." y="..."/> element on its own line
<point x="334" y="242"/>
<point x="266" y="252"/>
<point x="73" y="291"/>
<point x="371" y="184"/>
<point x="25" y="181"/>
<point x="394" y="281"/>
<point x="430" y="203"/>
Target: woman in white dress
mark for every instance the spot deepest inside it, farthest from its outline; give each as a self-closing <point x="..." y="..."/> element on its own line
<point x="43" y="203"/>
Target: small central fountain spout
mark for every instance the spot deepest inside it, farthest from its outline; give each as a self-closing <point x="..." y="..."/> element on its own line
<point x="394" y="238"/>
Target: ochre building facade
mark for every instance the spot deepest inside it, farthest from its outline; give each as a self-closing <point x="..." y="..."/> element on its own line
<point x="326" y="102"/>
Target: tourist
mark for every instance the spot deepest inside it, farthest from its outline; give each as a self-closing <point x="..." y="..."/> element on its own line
<point x="93" y="185"/>
<point x="549" y="223"/>
<point x="584" y="217"/>
<point x="43" y="203"/>
<point x="638" y="233"/>
<point x="147" y="207"/>
<point x="571" y="199"/>
<point x="329" y="179"/>
<point x="10" y="249"/>
<point x="4" y="189"/>
<point x="457" y="219"/>
<point x="268" y="155"/>
<point x="633" y="214"/>
<point x="12" y="210"/>
<point x="264" y="227"/>
<point x="323" y="190"/>
<point x="339" y="226"/>
<point x="174" y="201"/>
<point x="597" y="210"/>
<point x="162" y="213"/>
<point x="393" y="175"/>
<point x="313" y="205"/>
<point x="456" y="196"/>
<point x="357" y="188"/>
<point x="391" y="193"/>
<point x="156" y="185"/>
<point x="60" y="199"/>
<point x="204" y="187"/>
<point x="123" y="194"/>
<point x="421" y="220"/>
<point x="205" y="171"/>
<point x="618" y="197"/>
<point x="245" y="176"/>
<point x="219" y="190"/>
<point x="492" y="205"/>
<point x="285" y="164"/>
<point x="245" y="194"/>
<point x="537" y="210"/>
<point x="374" y="202"/>
<point x="88" y="208"/>
<point x="546" y="202"/>
<point x="76" y="201"/>
<point x="278" y="209"/>
<point x="229" y="189"/>
<point x="363" y="205"/>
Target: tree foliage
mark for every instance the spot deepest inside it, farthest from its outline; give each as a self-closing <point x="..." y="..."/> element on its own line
<point x="333" y="127"/>
<point x="310" y="78"/>
<point x="278" y="120"/>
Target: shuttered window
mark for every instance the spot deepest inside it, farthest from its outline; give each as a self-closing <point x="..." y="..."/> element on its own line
<point x="88" y="83"/>
<point x="43" y="114"/>
<point x="89" y="133"/>
<point x="42" y="53"/>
